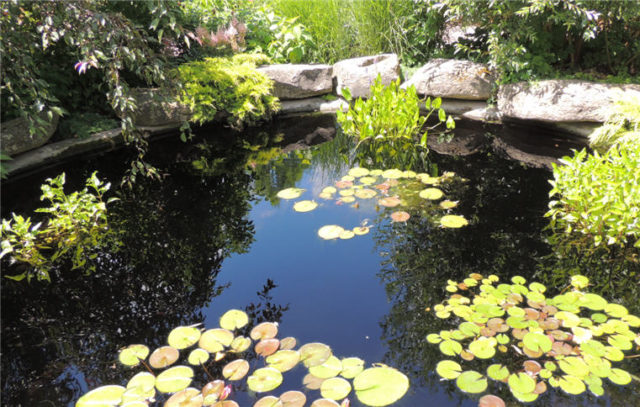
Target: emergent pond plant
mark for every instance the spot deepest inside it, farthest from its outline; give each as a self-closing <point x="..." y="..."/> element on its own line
<point x="568" y="341"/>
<point x="335" y="378"/>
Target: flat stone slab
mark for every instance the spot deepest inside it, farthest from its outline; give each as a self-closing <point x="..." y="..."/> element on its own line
<point x="299" y="81"/>
<point x="561" y="100"/>
<point x="15" y="138"/>
<point x="311" y="105"/>
<point x="157" y="108"/>
<point x="452" y="78"/>
<point x="358" y="74"/>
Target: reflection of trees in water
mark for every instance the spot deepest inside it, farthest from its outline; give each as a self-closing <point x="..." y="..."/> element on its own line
<point x="159" y="269"/>
<point x="504" y="203"/>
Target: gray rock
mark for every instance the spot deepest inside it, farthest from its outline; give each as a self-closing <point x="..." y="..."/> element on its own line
<point x="299" y="81"/>
<point x="157" y="108"/>
<point x="312" y="105"/>
<point x="15" y="137"/>
<point x="452" y="78"/>
<point x="561" y="100"/>
<point x="358" y="74"/>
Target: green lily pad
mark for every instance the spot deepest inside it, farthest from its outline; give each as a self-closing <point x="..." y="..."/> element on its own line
<point x="330" y="368"/>
<point x="305" y="206"/>
<point x="498" y="372"/>
<point x="483" y="348"/>
<point x="432" y="194"/>
<point x="163" y="357"/>
<point x="574" y="366"/>
<point x="174" y="379"/>
<point x="537" y="287"/>
<point x="314" y="354"/>
<point x="569" y="319"/>
<point x="264" y="379"/>
<point x="393" y="174"/>
<point x="450" y="347"/>
<point x="144" y="383"/>
<point x="453" y="221"/>
<point x="330" y="232"/>
<point x="537" y="342"/>
<point x="434" y="338"/>
<point x="335" y="388"/>
<point x="133" y="354"/>
<point x="524" y="397"/>
<point x="183" y="336"/>
<point x="380" y="386"/>
<point x="351" y="367"/>
<point x="290" y="193"/>
<point x="235" y="370"/>
<point x="616" y="310"/>
<point x="360" y="230"/>
<point x="358" y="172"/>
<point x="347" y="199"/>
<point x="240" y="344"/>
<point x="521" y="383"/>
<point x="593" y="348"/>
<point x="619" y="376"/>
<point x="572" y="384"/>
<point x="365" y="193"/>
<point x="347" y="192"/>
<point x="448" y="369"/>
<point x="215" y="340"/>
<point x="234" y="319"/>
<point x="198" y="357"/>
<point x="471" y="382"/>
<point x="188" y="397"/>
<point x="579" y="281"/>
<point x="593" y="301"/>
<point x="109" y="395"/>
<point x="367" y="180"/>
<point x="329" y="190"/>
<point x="447" y="204"/>
<point x="347" y="234"/>
<point x="348" y="178"/>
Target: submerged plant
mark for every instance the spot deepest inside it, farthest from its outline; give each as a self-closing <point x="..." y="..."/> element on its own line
<point x="222" y="347"/>
<point x="568" y="341"/>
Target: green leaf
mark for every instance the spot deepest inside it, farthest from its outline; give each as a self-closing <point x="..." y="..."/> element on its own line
<point x="537" y="342"/>
<point x="109" y="395"/>
<point x="234" y="319"/>
<point x="335" y="388"/>
<point x="380" y="386"/>
<point x="450" y="347"/>
<point x="471" y="382"/>
<point x="448" y="369"/>
<point x="498" y="372"/>
<point x="174" y="379"/>
<point x="521" y="383"/>
<point x="264" y="379"/>
<point x="183" y="336"/>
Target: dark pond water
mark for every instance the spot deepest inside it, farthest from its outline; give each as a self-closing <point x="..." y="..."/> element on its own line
<point x="212" y="236"/>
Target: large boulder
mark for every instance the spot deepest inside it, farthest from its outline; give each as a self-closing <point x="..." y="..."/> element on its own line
<point x="299" y="81"/>
<point x="156" y="107"/>
<point x="452" y="78"/>
<point x="561" y="100"/>
<point x="358" y="74"/>
<point x="15" y="137"/>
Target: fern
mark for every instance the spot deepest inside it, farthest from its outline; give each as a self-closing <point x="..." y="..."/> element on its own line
<point x="622" y="126"/>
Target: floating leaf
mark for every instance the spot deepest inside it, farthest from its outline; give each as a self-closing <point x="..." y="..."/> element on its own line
<point x="450" y="347"/>
<point x="432" y="194"/>
<point x="392" y="174"/>
<point x="574" y="366"/>
<point x="616" y="310"/>
<point x="348" y="178"/>
<point x="329" y="190"/>
<point x="235" y="370"/>
<point x="335" y="388"/>
<point x="265" y="330"/>
<point x="212" y="392"/>
<point x="498" y="372"/>
<point x="267" y="347"/>
<point x="483" y="348"/>
<point x="367" y="180"/>
<point x="490" y="400"/>
<point x="198" y="357"/>
<point x="400" y="216"/>
<point x="189" y="397"/>
<point x="234" y="319"/>
<point x="365" y="193"/>
<point x="311" y="382"/>
<point x="109" y="395"/>
<point x="351" y="367"/>
<point x="446" y="204"/>
<point x="288" y="343"/>
<point x="347" y="199"/>
<point x="305" y="206"/>
<point x="293" y="398"/>
<point x="448" y="369"/>
<point x="389" y="201"/>
<point x="290" y="193"/>
<point x="347" y="234"/>
<point x="471" y="382"/>
<point x="174" y="379"/>
<point x="314" y="354"/>
<point x="268" y="401"/>
<point x="358" y="172"/>
<point x="163" y="357"/>
<point x="264" y="379"/>
<point x="344" y="184"/>
<point x="380" y="386"/>
<point x="183" y="336"/>
<point x="284" y="360"/>
<point x="347" y="192"/>
<point x="521" y="383"/>
<point x="453" y="221"/>
<point x="619" y="376"/>
<point x="579" y="281"/>
<point x="324" y="403"/>
<point x="215" y="340"/>
<point x="330" y="368"/>
<point x="537" y="342"/>
<point x="145" y="383"/>
<point x="329" y="232"/>
<point x="133" y="354"/>
<point x="571" y="384"/>
<point x="361" y="230"/>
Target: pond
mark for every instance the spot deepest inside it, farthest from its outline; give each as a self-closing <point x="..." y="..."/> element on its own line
<point x="212" y="235"/>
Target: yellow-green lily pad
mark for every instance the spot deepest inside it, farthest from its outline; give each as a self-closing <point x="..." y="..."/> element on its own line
<point x="358" y="172"/>
<point x="188" y="397"/>
<point x="351" y="367"/>
<point x="235" y="370"/>
<point x="365" y="193"/>
<point x="347" y="234"/>
<point x="380" y="386"/>
<point x="471" y="382"/>
<point x="314" y="354"/>
<point x="234" y="319"/>
<point x="361" y="230"/>
<point x="330" y="232"/>
<point x="305" y="206"/>
<point x="330" y="368"/>
<point x="453" y="221"/>
<point x="215" y="340"/>
<point x="335" y="388"/>
<point x="432" y="194"/>
<point x="174" y="379"/>
<point x="290" y="193"/>
<point x="133" y="354"/>
<point x="183" y="336"/>
<point x="448" y="369"/>
<point x="163" y="357"/>
<point x="264" y="379"/>
<point x="284" y="360"/>
<point x="198" y="357"/>
<point x="109" y="395"/>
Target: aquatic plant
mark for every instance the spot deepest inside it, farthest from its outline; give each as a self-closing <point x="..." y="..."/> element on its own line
<point x="390" y="188"/>
<point x="622" y="126"/>
<point x="379" y="385"/>
<point x="568" y="341"/>
<point x="77" y="223"/>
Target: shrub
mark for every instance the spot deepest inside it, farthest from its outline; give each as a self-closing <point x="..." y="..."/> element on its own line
<point x="597" y="199"/>
<point x="76" y="223"/>
<point x="622" y="127"/>
<point x="227" y="85"/>
<point x="85" y="124"/>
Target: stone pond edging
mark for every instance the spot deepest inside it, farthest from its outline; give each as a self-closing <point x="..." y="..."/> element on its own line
<point x="571" y="107"/>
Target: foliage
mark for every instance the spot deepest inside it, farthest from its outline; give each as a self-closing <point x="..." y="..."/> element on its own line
<point x="568" y="341"/>
<point x="232" y="85"/>
<point x="77" y="222"/>
<point x="389" y="123"/>
<point x="528" y="39"/>
<point x="597" y="199"/>
<point x="84" y="124"/>
<point x="622" y="126"/>
<point x="377" y="386"/>
<point x="3" y="169"/>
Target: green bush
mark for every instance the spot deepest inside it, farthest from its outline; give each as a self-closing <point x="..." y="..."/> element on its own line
<point x="77" y="222"/>
<point x="597" y="199"/>
<point x="231" y="85"/>
<point x="622" y="127"/>
<point x="84" y="125"/>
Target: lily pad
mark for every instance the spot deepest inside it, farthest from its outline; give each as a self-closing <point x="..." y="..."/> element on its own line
<point x="347" y="192"/>
<point x="314" y="354"/>
<point x="365" y="193"/>
<point x="335" y="388"/>
<point x="183" y="336"/>
<point x="490" y="400"/>
<point x="163" y="357"/>
<point x="290" y="193"/>
<point x="212" y="392"/>
<point x="240" y="344"/>
<point x="347" y="199"/>
<point x="188" y="397"/>
<point x="432" y="194"/>
<point x="571" y="384"/>
<point x="284" y="360"/>
<point x="446" y="204"/>
<point x="288" y="343"/>
<point x="267" y="347"/>
<point x="393" y="174"/>
<point x="311" y="382"/>
<point x="498" y="372"/>
<point x="448" y="369"/>
<point x="174" y="379"/>
<point x="330" y="232"/>
<point x="347" y="234"/>
<point x="145" y="382"/>
<point x="380" y="386"/>
<point x="329" y="190"/>
<point x="215" y="340"/>
<point x="471" y="382"/>
<point x="453" y="221"/>
<point x="305" y="206"/>
<point x="293" y="398"/>
<point x="389" y="201"/>
<point x="450" y="347"/>
<point x="109" y="395"/>
<point x="324" y="403"/>
<point x="483" y="348"/>
<point x="198" y="357"/>
<point x="361" y="230"/>
<point x="268" y="401"/>
<point x="133" y="354"/>
<point x="330" y="368"/>
<point x="400" y="216"/>
<point x="537" y="342"/>
<point x="235" y="370"/>
<point x="358" y="172"/>
<point x="367" y="180"/>
<point x="521" y="383"/>
<point x="351" y="367"/>
<point x="619" y="376"/>
<point x="264" y="330"/>
<point x="234" y="319"/>
<point x="348" y="178"/>
<point x="264" y="379"/>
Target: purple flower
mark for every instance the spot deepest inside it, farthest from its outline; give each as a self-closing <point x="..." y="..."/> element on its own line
<point x="81" y="67"/>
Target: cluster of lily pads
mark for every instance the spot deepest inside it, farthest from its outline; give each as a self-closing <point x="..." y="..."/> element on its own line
<point x="568" y="341"/>
<point x="378" y="385"/>
<point x="391" y="189"/>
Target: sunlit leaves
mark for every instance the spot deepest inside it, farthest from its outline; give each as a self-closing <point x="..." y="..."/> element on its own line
<point x="448" y="369"/>
<point x="284" y="360"/>
<point x="453" y="221"/>
<point x="133" y="354"/>
<point x="305" y="206"/>
<point x="290" y="193"/>
<point x="198" y="357"/>
<point x="163" y="357"/>
<point x="183" y="337"/>
<point x="189" y="397"/>
<point x="335" y="388"/>
<point x="330" y="232"/>
<point x="380" y="386"/>
<point x="314" y="354"/>
<point x="471" y="381"/>
<point x="105" y="395"/>
<point x="264" y="379"/>
<point x="234" y="319"/>
<point x="174" y="379"/>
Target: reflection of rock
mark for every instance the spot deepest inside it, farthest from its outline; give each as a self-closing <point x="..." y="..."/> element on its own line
<point x="15" y="135"/>
<point x="305" y="130"/>
<point x="468" y="139"/>
<point x="358" y="74"/>
<point x="156" y="108"/>
<point x="452" y="78"/>
<point x="561" y="100"/>
<point x="312" y="105"/>
<point x="299" y="81"/>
